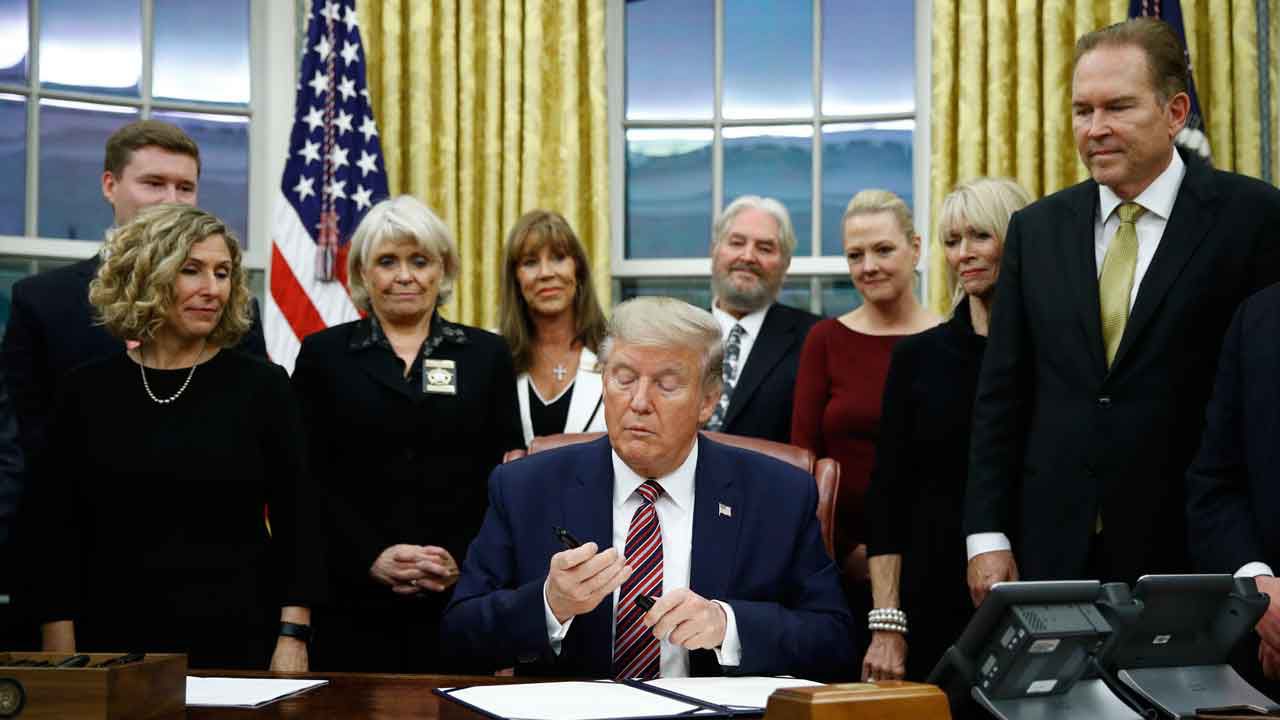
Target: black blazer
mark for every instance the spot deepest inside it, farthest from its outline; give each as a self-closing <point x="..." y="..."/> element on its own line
<point x="761" y="402"/>
<point x="395" y="464"/>
<point x="1057" y="437"/>
<point x="51" y="330"/>
<point x="1233" y="487"/>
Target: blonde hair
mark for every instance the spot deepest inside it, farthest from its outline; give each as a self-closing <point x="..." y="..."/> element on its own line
<point x="399" y="220"/>
<point x="668" y="323"/>
<point x="984" y="204"/>
<point x="778" y="211"/>
<point x="533" y="231"/>
<point x="134" y="289"/>
<point x="870" y="202"/>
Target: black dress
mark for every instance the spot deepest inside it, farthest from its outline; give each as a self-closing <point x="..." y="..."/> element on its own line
<point x="399" y="460"/>
<point x="915" y="501"/>
<point x="147" y="525"/>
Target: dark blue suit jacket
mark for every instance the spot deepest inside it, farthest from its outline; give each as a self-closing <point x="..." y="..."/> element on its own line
<point x="1233" y="487"/>
<point x="766" y="560"/>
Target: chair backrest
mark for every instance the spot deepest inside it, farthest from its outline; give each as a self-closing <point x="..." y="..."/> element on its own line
<point x="825" y="472"/>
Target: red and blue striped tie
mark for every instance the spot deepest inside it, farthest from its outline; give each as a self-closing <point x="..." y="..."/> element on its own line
<point x="636" y="652"/>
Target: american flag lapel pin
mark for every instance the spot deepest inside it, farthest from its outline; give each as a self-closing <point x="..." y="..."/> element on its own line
<point x="725" y="510"/>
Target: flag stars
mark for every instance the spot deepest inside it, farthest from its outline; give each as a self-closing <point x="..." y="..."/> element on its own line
<point x="367" y="127"/>
<point x="314" y="118"/>
<point x="347" y="88"/>
<point x="362" y="198"/>
<point x="350" y="18"/>
<point x="320" y="83"/>
<point x="330" y="12"/>
<point x="305" y="187"/>
<point x="338" y="156"/>
<point x="343" y="122"/>
<point x="323" y="48"/>
<point x="349" y="52"/>
<point x="368" y="163"/>
<point x="337" y="189"/>
<point x="310" y="151"/>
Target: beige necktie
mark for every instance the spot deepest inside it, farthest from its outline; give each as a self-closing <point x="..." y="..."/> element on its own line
<point x="1115" y="285"/>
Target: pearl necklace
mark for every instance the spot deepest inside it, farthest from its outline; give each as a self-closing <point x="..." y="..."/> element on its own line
<point x="142" y="368"/>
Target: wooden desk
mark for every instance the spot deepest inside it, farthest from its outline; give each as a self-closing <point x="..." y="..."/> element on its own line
<point x="351" y="695"/>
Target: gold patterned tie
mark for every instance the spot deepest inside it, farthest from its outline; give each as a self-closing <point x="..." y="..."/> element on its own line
<point x="1115" y="285"/>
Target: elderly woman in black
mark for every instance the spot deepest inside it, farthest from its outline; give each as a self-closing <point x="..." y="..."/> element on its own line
<point x="916" y="548"/>
<point x="406" y="414"/>
<point x="146" y="516"/>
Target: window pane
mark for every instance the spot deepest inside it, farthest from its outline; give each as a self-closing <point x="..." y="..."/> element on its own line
<point x="670" y="59"/>
<point x="13" y="158"/>
<point x="697" y="291"/>
<point x="215" y="69"/>
<point x="72" y="137"/>
<point x="94" y="46"/>
<point x="12" y="270"/>
<point x="776" y="162"/>
<point x="868" y="57"/>
<point x="14" y="39"/>
<point x="768" y="59"/>
<point x="857" y="156"/>
<point x="668" y="193"/>
<point x="839" y="296"/>
<point x="224" y="165"/>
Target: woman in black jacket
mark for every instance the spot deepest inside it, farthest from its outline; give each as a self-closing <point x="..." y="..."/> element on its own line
<point x="916" y="547"/>
<point x="406" y="414"/>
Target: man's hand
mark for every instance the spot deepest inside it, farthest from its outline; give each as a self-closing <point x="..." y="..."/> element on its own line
<point x="290" y="655"/>
<point x="687" y="620"/>
<point x="886" y="658"/>
<point x="987" y="569"/>
<point x="1269" y="657"/>
<point x="580" y="578"/>
<point x="1269" y="626"/>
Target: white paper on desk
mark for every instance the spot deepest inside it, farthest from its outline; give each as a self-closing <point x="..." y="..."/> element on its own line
<point x="243" y="692"/>
<point x="747" y="691"/>
<point x="570" y="701"/>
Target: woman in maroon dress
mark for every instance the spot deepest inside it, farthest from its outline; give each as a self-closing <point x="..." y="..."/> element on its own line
<point x="845" y="360"/>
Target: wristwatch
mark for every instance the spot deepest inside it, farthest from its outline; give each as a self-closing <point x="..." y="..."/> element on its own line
<point x="297" y="630"/>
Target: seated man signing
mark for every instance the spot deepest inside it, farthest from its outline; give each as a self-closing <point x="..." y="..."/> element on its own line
<point x="725" y="541"/>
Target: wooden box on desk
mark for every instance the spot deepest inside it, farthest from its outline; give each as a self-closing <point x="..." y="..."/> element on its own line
<point x="153" y="687"/>
<point x="889" y="700"/>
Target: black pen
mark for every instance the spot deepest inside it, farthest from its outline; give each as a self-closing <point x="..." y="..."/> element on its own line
<point x="570" y="542"/>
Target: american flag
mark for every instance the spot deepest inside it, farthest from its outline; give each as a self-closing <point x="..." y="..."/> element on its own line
<point x="334" y="174"/>
<point x="1193" y="135"/>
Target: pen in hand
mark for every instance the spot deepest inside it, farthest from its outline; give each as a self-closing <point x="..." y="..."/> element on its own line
<point x="570" y="542"/>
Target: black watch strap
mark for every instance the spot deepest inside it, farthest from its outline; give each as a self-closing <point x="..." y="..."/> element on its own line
<point x="296" y="630"/>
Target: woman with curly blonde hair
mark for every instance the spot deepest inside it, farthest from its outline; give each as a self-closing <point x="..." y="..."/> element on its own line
<point x="162" y="457"/>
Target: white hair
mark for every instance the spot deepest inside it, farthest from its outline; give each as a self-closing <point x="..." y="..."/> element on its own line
<point x="668" y="323"/>
<point x="778" y="211"/>
<point x="397" y="220"/>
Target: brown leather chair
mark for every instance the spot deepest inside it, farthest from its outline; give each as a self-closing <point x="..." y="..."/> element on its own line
<point x="825" y="472"/>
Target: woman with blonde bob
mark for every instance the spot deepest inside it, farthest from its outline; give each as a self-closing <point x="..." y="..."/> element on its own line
<point x="916" y="545"/>
<point x="149" y="502"/>
<point x="406" y="414"/>
<point x="550" y="317"/>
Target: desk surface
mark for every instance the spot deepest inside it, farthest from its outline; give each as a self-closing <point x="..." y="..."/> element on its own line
<point x="351" y="695"/>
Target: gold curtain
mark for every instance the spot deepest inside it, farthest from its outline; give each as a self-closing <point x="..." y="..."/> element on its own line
<point x="487" y="109"/>
<point x="1001" y="96"/>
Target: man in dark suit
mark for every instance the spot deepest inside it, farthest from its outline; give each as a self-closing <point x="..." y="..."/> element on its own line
<point x="726" y="540"/>
<point x="1113" y="299"/>
<point x="1233" y="487"/>
<point x="750" y="255"/>
<point x="51" y="327"/>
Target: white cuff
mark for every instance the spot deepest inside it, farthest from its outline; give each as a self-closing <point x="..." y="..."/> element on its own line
<point x="729" y="654"/>
<point x="1254" y="569"/>
<point x="555" y="631"/>
<point x="985" y="542"/>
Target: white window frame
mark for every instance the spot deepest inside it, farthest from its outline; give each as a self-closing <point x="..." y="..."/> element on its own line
<point x="813" y="265"/>
<point x="273" y="80"/>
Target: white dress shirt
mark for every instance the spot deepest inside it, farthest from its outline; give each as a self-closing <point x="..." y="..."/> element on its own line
<point x="750" y="323"/>
<point x="675" y="515"/>
<point x="1158" y="200"/>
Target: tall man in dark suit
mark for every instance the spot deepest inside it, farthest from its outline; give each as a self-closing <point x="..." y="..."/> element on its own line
<point x="725" y="540"/>
<point x="51" y="327"/>
<point x="750" y="255"/>
<point x="1114" y="296"/>
<point x="1233" y="487"/>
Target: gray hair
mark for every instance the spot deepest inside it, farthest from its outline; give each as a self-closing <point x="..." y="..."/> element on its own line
<point x="668" y="323"/>
<point x="396" y="220"/>
<point x="786" y="234"/>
